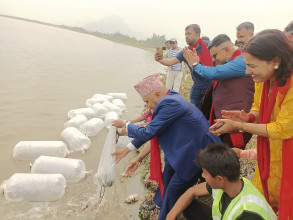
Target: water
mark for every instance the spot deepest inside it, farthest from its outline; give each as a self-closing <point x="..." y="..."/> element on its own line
<point x="44" y="73"/>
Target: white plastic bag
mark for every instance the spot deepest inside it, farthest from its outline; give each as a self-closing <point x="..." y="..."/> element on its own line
<point x="112" y="107"/>
<point x="75" y="139"/>
<point x="34" y="187"/>
<point x="72" y="169"/>
<point x="109" y="117"/>
<point x="122" y="96"/>
<point x="92" y="101"/>
<point x="110" y="98"/>
<point x="119" y="103"/>
<point x="76" y="121"/>
<point x="30" y="150"/>
<point x="87" y="112"/>
<point x="100" y="110"/>
<point x="92" y="127"/>
<point x="106" y="170"/>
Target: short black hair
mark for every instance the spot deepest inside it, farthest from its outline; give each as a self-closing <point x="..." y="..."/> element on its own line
<point x="218" y="40"/>
<point x="195" y="28"/>
<point x="247" y="25"/>
<point x="219" y="160"/>
<point x="289" y="28"/>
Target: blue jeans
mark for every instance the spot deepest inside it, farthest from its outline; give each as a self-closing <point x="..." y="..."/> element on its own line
<point x="196" y="95"/>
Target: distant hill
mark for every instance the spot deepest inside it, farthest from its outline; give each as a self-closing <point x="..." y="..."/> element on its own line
<point x="149" y="43"/>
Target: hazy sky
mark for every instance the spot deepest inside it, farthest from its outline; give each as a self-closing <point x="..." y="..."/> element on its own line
<point x="143" y="18"/>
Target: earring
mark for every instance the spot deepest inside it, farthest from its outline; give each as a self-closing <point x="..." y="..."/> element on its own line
<point x="276" y="67"/>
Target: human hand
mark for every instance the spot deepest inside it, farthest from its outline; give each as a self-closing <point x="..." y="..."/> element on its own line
<point x="235" y="115"/>
<point x="227" y="126"/>
<point x="190" y="56"/>
<point x="119" y="123"/>
<point x="133" y="166"/>
<point x="237" y="151"/>
<point x="122" y="132"/>
<point x="121" y="153"/>
<point x="158" y="56"/>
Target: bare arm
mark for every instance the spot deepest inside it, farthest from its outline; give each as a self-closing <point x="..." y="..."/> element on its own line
<point x="165" y="61"/>
<point x="230" y="125"/>
<point x="186" y="199"/>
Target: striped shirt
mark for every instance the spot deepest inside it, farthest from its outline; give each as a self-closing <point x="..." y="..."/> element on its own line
<point x="174" y="53"/>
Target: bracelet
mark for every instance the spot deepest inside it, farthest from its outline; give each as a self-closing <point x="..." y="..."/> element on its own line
<point x="241" y="130"/>
<point x="251" y="117"/>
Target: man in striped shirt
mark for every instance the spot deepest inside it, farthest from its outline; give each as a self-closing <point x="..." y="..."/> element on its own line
<point x="175" y="72"/>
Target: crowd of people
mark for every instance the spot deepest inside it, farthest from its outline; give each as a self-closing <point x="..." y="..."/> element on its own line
<point x="238" y="90"/>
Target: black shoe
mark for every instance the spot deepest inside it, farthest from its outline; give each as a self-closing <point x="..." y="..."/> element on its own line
<point x="149" y="207"/>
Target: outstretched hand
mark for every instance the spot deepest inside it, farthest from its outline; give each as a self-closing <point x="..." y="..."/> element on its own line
<point x="121" y="153"/>
<point x="227" y="126"/>
<point x="235" y="115"/>
<point x="118" y="123"/>
<point x="158" y="56"/>
<point x="132" y="167"/>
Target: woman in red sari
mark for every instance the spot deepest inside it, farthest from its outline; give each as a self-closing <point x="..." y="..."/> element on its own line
<point x="269" y="60"/>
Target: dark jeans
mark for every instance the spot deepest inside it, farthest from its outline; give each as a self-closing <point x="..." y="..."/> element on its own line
<point x="196" y="95"/>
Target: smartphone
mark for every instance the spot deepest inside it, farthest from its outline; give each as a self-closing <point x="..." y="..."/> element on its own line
<point x="164" y="48"/>
<point x="160" y="50"/>
<point x="218" y="126"/>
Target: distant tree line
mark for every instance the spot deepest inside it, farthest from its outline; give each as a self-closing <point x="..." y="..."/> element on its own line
<point x="149" y="43"/>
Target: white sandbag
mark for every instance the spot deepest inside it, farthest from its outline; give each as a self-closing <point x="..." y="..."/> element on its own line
<point x="100" y="110"/>
<point x="92" y="101"/>
<point x="122" y="96"/>
<point x="87" y="112"/>
<point x="123" y="141"/>
<point x="92" y="127"/>
<point x="34" y="187"/>
<point x="76" y="121"/>
<point x="75" y="139"/>
<point x="105" y="174"/>
<point x="119" y="103"/>
<point x="72" y="169"/>
<point x="112" y="107"/>
<point x="110" y="98"/>
<point x="30" y="150"/>
<point x="109" y="117"/>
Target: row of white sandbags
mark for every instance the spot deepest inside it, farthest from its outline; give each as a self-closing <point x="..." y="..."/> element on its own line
<point x="83" y="122"/>
<point x="47" y="180"/>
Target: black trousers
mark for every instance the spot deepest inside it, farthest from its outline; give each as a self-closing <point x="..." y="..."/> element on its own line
<point x="198" y="211"/>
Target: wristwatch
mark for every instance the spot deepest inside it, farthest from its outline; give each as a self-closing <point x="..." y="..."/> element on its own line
<point x="194" y="64"/>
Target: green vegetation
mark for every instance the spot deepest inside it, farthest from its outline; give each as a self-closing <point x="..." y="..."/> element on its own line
<point x="149" y="43"/>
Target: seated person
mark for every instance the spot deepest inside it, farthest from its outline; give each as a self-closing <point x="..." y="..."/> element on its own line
<point x="234" y="197"/>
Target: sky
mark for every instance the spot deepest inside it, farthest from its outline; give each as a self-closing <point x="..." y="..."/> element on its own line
<point x="141" y="19"/>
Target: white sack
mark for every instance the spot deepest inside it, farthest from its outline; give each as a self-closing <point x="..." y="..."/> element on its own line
<point x="87" y="112"/>
<point x="110" y="98"/>
<point x="76" y="121"/>
<point x="109" y="117"/>
<point x="30" y="150"/>
<point x="75" y="139"/>
<point x="122" y="96"/>
<point x="100" y="110"/>
<point x="72" y="169"/>
<point x="112" y="107"/>
<point x="105" y="174"/>
<point x="119" y="103"/>
<point x="34" y="187"/>
<point x="92" y="127"/>
<point x="92" y="101"/>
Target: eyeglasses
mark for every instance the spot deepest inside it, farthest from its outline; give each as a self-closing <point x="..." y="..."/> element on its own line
<point x="172" y="42"/>
<point x="215" y="55"/>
